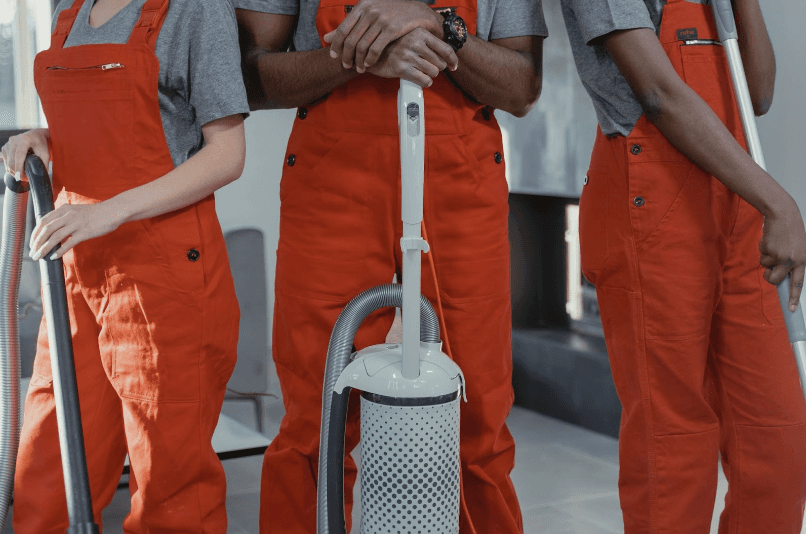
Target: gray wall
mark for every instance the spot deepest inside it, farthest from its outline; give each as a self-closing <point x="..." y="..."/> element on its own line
<point x="783" y="129"/>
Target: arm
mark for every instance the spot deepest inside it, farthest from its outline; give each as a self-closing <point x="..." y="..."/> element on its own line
<point x="373" y="24"/>
<point x="691" y="126"/>
<point x="278" y="79"/>
<point x="218" y="163"/>
<point x="506" y="74"/>
<point x="757" y="53"/>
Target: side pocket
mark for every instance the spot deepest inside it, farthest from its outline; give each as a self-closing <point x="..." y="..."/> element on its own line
<point x="593" y="223"/>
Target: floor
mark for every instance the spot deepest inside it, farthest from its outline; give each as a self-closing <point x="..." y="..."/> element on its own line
<point x="565" y="476"/>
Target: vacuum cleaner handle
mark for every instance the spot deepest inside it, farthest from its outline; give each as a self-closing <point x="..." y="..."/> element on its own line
<point x="726" y="25"/>
<point x="68" y="414"/>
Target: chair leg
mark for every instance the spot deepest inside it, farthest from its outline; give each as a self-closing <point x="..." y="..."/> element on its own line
<point x="259" y="413"/>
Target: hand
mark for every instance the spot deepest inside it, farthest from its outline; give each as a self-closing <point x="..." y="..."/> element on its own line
<point x="71" y="224"/>
<point x="783" y="249"/>
<point x="16" y="150"/>
<point x="417" y="57"/>
<point x="372" y="24"/>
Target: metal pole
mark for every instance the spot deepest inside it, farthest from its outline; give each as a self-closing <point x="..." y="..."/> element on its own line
<point x="68" y="414"/>
<point x="726" y="25"/>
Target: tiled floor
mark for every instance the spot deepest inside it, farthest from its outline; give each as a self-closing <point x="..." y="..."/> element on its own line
<point x="565" y="477"/>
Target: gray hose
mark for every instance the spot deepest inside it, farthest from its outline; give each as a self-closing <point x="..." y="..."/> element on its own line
<point x="330" y="486"/>
<point x="15" y="205"/>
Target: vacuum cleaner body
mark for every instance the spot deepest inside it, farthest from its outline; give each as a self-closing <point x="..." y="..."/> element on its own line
<point x="409" y="440"/>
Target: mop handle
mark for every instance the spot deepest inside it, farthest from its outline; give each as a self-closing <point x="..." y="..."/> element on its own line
<point x="65" y="389"/>
<point x="412" y="168"/>
<point x="726" y="25"/>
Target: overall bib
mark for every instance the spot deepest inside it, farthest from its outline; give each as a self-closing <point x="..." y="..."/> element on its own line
<point x="340" y="234"/>
<point x="152" y="305"/>
<point x="698" y="348"/>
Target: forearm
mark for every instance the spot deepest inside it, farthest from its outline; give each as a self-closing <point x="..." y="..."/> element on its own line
<point x="213" y="167"/>
<point x="694" y="129"/>
<point x="499" y="77"/>
<point x="757" y="53"/>
<point x="293" y="79"/>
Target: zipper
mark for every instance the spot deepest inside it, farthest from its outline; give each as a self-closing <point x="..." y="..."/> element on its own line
<point x="108" y="66"/>
<point x="702" y="42"/>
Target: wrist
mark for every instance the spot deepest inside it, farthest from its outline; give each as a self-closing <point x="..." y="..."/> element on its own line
<point x="117" y="210"/>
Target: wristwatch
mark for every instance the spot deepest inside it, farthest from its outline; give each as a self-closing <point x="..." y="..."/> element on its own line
<point x="455" y="30"/>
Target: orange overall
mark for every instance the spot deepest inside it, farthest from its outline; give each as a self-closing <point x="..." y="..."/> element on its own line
<point x="698" y="348"/>
<point x="340" y="233"/>
<point x="152" y="305"/>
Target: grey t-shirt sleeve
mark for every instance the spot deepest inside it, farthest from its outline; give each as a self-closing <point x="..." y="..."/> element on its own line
<point x="276" y="7"/>
<point x="216" y="87"/>
<point x="597" y="18"/>
<point x="512" y="18"/>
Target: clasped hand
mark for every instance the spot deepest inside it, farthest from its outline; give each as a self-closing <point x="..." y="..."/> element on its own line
<point x="393" y="39"/>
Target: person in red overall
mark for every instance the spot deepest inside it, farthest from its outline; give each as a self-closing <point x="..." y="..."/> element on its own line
<point x="340" y="223"/>
<point x="672" y="218"/>
<point x="144" y="102"/>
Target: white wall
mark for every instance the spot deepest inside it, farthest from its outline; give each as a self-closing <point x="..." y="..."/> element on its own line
<point x="783" y="129"/>
<point x="253" y="201"/>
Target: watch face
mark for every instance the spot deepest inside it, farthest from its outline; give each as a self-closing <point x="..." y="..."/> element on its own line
<point x="459" y="29"/>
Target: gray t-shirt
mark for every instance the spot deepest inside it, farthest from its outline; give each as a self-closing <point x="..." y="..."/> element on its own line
<point x="496" y="19"/>
<point x="200" y="64"/>
<point x="617" y="108"/>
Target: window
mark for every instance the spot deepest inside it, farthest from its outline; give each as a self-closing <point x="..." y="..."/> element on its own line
<point x="24" y="31"/>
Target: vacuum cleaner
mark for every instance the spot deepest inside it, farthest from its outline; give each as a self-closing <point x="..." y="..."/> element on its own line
<point x="728" y="35"/>
<point x="410" y="392"/>
<point x="54" y="299"/>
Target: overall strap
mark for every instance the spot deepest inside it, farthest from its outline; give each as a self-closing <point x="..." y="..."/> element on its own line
<point x="151" y="18"/>
<point x="64" y="24"/>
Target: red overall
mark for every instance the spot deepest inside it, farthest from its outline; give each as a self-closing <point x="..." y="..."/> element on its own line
<point x="340" y="234"/>
<point x="699" y="352"/>
<point x="152" y="305"/>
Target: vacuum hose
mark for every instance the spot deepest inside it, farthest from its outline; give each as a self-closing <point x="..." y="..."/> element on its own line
<point x="334" y="405"/>
<point x="65" y="390"/>
<point x="15" y="204"/>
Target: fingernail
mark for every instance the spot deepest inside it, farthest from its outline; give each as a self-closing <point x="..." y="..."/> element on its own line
<point x="366" y="64"/>
<point x="35" y="256"/>
<point x="333" y="54"/>
<point x="345" y="65"/>
<point x="360" y="70"/>
<point x="18" y="176"/>
<point x="53" y="256"/>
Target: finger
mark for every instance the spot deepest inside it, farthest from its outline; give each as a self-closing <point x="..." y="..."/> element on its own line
<point x="378" y="46"/>
<point x="795" y="287"/>
<point x="52" y="242"/>
<point x="46" y="226"/>
<point x="338" y="35"/>
<point x="444" y="51"/>
<point x="20" y="153"/>
<point x="361" y="49"/>
<point x="414" y="75"/>
<point x="351" y="41"/>
<point x="768" y="261"/>
<point x="779" y="272"/>
<point x="71" y="241"/>
<point x="433" y="58"/>
<point x="426" y="67"/>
